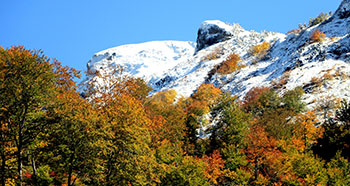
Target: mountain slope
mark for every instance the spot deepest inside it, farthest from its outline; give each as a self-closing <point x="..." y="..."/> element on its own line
<point x="147" y="60"/>
<point x="320" y="68"/>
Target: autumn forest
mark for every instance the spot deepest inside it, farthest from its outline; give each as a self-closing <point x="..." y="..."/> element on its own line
<point x="52" y="134"/>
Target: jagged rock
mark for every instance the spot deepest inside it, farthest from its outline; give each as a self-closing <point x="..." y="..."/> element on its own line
<point x="212" y="32"/>
<point x="344" y="10"/>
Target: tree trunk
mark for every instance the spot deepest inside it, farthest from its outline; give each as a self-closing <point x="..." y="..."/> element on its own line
<point x="3" y="161"/>
<point x="20" y="156"/>
<point x="70" y="170"/>
<point x="69" y="178"/>
<point x="20" y="145"/>
<point x="256" y="169"/>
<point x="34" y="171"/>
<point x="109" y="173"/>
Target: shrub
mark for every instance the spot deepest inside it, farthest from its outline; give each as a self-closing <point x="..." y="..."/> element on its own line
<point x="260" y="50"/>
<point x="335" y="38"/>
<point x="315" y="21"/>
<point x="292" y="99"/>
<point x="230" y="64"/>
<point x="327" y="76"/>
<point x="317" y="36"/>
<point x="294" y="31"/>
<point x="216" y="54"/>
<point x="315" y="80"/>
<point x="281" y="84"/>
<point x="319" y="19"/>
<point x="255" y="99"/>
<point x="208" y="93"/>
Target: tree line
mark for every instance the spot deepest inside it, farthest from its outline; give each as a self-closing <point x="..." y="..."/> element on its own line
<point x="118" y="135"/>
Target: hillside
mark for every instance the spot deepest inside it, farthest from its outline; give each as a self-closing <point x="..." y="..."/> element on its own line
<point x="292" y="60"/>
<point x="236" y="107"/>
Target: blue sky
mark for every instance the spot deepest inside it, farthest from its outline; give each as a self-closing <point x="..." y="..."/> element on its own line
<point x="73" y="30"/>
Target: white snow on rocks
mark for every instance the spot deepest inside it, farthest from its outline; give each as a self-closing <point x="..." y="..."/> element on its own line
<point x="292" y="60"/>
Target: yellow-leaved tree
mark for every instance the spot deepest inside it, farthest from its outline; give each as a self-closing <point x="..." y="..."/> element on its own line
<point x="26" y="82"/>
<point x="125" y="152"/>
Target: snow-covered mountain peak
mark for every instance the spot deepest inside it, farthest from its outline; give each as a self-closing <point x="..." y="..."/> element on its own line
<point x="207" y="25"/>
<point x="293" y="60"/>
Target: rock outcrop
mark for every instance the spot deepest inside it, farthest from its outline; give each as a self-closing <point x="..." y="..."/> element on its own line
<point x="344" y="10"/>
<point x="212" y="32"/>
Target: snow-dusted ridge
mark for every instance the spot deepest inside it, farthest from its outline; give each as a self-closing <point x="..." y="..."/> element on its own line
<point x="146" y="60"/>
<point x="292" y="60"/>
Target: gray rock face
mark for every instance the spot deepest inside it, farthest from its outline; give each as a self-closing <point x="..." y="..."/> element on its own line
<point x="212" y="32"/>
<point x="344" y="10"/>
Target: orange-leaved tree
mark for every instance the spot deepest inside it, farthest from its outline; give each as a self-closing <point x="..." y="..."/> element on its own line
<point x="168" y="114"/>
<point x="230" y="64"/>
<point x="261" y="151"/>
<point x="317" y="36"/>
<point x="214" y="170"/>
<point x="306" y="132"/>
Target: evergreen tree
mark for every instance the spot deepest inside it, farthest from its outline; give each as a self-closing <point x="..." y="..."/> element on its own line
<point x="336" y="136"/>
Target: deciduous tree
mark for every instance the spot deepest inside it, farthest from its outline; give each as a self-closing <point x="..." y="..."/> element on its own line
<point x="27" y="81"/>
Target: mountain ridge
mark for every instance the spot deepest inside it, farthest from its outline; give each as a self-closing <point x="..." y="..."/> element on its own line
<point x="292" y="60"/>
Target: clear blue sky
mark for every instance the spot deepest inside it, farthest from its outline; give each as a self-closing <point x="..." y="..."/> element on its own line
<point x="73" y="30"/>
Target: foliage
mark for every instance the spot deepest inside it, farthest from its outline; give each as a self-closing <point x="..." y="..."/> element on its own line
<point x="125" y="144"/>
<point x="260" y="51"/>
<point x="50" y="135"/>
<point x="233" y="126"/>
<point x="168" y="117"/>
<point x="336" y="136"/>
<point x="338" y="171"/>
<point x="27" y="80"/>
<point x="70" y="139"/>
<point x="197" y="107"/>
<point x="215" y="167"/>
<point x="251" y="98"/>
<point x="208" y="93"/>
<point x="317" y="36"/>
<point x="261" y="151"/>
<point x="259" y="99"/>
<point x="187" y="171"/>
<point x="230" y="64"/>
<point x="292" y="99"/>
<point x="319" y="19"/>
<point x="229" y="134"/>
<point x="306" y="131"/>
<point x="215" y="54"/>
<point x="305" y="170"/>
<point x="315" y="21"/>
<point x="277" y="123"/>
